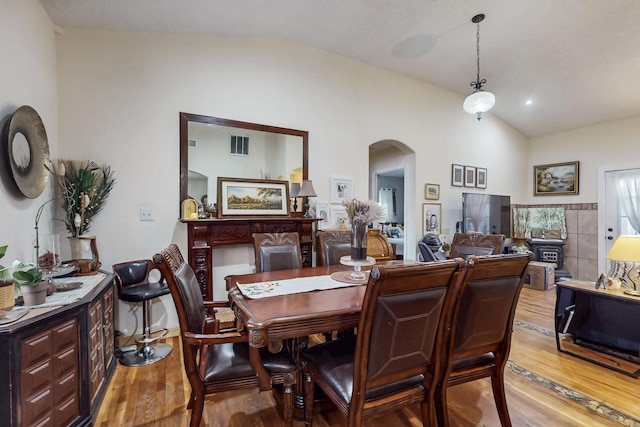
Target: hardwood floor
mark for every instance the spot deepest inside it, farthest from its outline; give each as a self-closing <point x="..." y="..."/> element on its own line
<point x="544" y="388"/>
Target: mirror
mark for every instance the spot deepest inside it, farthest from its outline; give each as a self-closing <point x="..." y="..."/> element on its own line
<point x="211" y="147"/>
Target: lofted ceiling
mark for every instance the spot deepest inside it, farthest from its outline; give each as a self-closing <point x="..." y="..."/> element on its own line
<point x="577" y="61"/>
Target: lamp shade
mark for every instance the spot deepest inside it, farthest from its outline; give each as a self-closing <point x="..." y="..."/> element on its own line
<point x="306" y="190"/>
<point x="294" y="191"/>
<point x="625" y="248"/>
<point x="479" y="102"/>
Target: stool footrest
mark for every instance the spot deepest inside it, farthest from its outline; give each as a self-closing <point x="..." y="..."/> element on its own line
<point x="148" y="339"/>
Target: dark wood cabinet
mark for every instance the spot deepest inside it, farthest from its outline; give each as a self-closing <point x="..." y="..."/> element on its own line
<point x="203" y="235"/>
<point x="57" y="361"/>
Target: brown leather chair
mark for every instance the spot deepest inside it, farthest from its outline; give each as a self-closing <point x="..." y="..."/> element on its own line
<point x="481" y="331"/>
<point x="218" y="359"/>
<point x="464" y="244"/>
<point x="277" y="251"/>
<point x="396" y="357"/>
<point x="332" y="245"/>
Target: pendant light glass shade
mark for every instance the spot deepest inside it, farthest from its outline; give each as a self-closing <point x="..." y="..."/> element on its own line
<point x="479" y="102"/>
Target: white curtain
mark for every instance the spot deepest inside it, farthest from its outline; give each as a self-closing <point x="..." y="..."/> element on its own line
<point x="387" y="198"/>
<point x="628" y="185"/>
<point x="478" y="212"/>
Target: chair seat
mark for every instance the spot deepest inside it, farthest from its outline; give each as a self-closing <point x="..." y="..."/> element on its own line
<point x="143" y="292"/>
<point x="231" y="361"/>
<point x="334" y="361"/>
<point x="471" y="362"/>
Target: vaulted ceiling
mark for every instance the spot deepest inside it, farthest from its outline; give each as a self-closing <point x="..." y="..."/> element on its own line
<point x="575" y="61"/>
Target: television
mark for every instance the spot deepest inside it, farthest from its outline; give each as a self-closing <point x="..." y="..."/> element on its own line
<point x="486" y="213"/>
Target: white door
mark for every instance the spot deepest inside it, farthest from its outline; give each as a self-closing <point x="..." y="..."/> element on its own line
<point x="613" y="220"/>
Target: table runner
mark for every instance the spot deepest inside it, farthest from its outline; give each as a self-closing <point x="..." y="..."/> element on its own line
<point x="59" y="298"/>
<point x="290" y="286"/>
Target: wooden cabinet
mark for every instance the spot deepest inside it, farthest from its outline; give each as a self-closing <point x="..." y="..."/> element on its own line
<point x="57" y="361"/>
<point x="204" y="235"/>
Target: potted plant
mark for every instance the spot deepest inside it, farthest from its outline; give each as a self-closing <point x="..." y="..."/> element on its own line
<point x="446" y="248"/>
<point x="32" y="287"/>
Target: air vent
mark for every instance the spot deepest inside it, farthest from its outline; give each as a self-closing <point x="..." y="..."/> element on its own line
<point x="238" y="145"/>
<point x="193" y="143"/>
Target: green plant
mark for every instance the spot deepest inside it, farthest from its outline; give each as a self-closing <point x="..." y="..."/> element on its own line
<point x="31" y="276"/>
<point x="84" y="188"/>
<point x="446" y="247"/>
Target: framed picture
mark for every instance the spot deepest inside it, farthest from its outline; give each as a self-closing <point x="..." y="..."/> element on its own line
<point x="339" y="217"/>
<point x="481" y="178"/>
<point x="556" y="179"/>
<point x="341" y="189"/>
<point x="432" y="191"/>
<point x="457" y="175"/>
<point x="469" y="176"/>
<point x="322" y="212"/>
<point x="431" y="213"/>
<point x="239" y="197"/>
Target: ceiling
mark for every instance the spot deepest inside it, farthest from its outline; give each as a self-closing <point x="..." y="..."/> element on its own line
<point x="577" y="61"/>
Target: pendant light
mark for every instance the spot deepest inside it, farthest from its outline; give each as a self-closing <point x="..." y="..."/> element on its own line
<point x="479" y="101"/>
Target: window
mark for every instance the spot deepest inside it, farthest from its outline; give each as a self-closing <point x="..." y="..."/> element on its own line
<point x="238" y="145"/>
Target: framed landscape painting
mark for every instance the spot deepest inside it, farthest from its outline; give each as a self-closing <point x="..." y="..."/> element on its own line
<point x="239" y="197"/>
<point x="432" y="191"/>
<point x="556" y="179"/>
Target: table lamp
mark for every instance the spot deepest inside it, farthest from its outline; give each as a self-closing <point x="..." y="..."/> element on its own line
<point x="306" y="190"/>
<point x="293" y="194"/>
<point x="626" y="250"/>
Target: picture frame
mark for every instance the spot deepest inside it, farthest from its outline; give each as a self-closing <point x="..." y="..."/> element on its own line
<point x="457" y="175"/>
<point x="431" y="216"/>
<point x="556" y="179"/>
<point x="324" y="215"/>
<point x="341" y="189"/>
<point x="240" y="197"/>
<point x="432" y="191"/>
<point x="469" y="176"/>
<point x="339" y="217"/>
<point x="481" y="178"/>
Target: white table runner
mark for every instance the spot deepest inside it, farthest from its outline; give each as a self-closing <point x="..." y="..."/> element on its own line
<point x="290" y="286"/>
<point x="67" y="297"/>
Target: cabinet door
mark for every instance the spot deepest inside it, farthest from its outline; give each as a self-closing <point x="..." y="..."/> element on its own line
<point x="101" y="338"/>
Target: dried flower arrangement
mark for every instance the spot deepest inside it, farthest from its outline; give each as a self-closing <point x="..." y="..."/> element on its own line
<point x="84" y="188"/>
<point x="364" y="212"/>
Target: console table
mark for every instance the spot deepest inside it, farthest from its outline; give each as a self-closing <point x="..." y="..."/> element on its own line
<point x="57" y="361"/>
<point x="598" y="325"/>
<point x="205" y="234"/>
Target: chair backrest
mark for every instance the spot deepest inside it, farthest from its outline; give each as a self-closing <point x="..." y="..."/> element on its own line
<point x="487" y="306"/>
<point x="464" y="244"/>
<point x="404" y="324"/>
<point x="134" y="273"/>
<point x="277" y="251"/>
<point x="333" y="245"/>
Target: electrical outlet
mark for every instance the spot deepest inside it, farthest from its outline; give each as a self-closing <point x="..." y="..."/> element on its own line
<point x="146" y="214"/>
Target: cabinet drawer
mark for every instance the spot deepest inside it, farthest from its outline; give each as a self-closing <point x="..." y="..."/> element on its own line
<point x="36" y="378"/>
<point x="36" y="348"/>
<point x="38" y="407"/>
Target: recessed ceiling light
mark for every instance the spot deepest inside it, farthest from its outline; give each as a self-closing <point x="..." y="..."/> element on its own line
<point x="528" y="102"/>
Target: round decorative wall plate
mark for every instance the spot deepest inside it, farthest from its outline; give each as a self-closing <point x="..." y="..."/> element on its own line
<point x="28" y="151"/>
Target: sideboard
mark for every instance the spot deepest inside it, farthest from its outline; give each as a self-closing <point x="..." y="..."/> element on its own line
<point x="205" y="234"/>
<point x="57" y="361"/>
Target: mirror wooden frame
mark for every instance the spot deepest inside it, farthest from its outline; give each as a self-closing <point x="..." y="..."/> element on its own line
<point x="185" y="118"/>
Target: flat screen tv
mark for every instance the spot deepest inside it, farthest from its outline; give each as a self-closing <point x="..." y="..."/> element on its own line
<point x="486" y="213"/>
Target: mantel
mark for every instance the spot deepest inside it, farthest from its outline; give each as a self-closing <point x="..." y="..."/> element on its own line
<point x="205" y="234"/>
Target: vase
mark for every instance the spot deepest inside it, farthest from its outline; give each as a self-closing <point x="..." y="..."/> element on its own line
<point x="7" y="294"/>
<point x="358" y="241"/>
<point x="85" y="248"/>
<point x="34" y="295"/>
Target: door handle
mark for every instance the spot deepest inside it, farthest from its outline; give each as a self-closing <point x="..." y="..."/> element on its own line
<point x="609" y="237"/>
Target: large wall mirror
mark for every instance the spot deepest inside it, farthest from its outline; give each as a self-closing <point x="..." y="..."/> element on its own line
<point x="211" y="147"/>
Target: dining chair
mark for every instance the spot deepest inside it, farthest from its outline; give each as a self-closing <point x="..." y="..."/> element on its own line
<point x="217" y="358"/>
<point x="397" y="356"/>
<point x="332" y="246"/>
<point x="482" y="327"/>
<point x="464" y="244"/>
<point x="277" y="251"/>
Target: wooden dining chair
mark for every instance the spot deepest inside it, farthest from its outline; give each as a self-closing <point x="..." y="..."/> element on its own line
<point x="464" y="244"/>
<point x="277" y="251"/>
<point x="396" y="357"/>
<point x="217" y="358"/>
<point x="332" y="245"/>
<point x="482" y="327"/>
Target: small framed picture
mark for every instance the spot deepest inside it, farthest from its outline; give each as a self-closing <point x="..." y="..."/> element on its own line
<point x="341" y="189"/>
<point x="469" y="176"/>
<point x="432" y="191"/>
<point x="431" y="218"/>
<point x="339" y="217"/>
<point x="324" y="215"/>
<point x="457" y="175"/>
<point x="481" y="178"/>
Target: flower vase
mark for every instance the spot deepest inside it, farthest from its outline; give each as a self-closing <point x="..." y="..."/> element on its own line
<point x="7" y="294"/>
<point x="80" y="248"/>
<point x="358" y="241"/>
<point x="34" y="295"/>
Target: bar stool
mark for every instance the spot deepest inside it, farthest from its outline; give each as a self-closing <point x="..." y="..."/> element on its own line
<point x="134" y="286"/>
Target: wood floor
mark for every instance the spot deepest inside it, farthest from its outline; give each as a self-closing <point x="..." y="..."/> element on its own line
<point x="544" y="388"/>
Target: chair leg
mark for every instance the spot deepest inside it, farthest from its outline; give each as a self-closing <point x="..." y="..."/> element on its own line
<point x="497" y="383"/>
<point x="442" y="414"/>
<point x="308" y="400"/>
<point x="197" y="408"/>
<point x="289" y="380"/>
